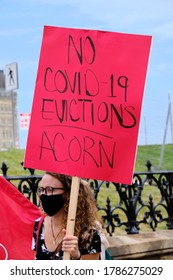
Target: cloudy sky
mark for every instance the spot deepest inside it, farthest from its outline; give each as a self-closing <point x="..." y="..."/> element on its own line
<point x="21" y="26"/>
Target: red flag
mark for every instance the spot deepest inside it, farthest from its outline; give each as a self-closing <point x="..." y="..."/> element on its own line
<point x="17" y="216"/>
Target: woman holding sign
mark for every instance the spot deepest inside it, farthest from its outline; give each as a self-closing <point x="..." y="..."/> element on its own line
<point x="50" y="240"/>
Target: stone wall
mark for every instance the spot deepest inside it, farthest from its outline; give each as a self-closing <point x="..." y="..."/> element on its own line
<point x="142" y="246"/>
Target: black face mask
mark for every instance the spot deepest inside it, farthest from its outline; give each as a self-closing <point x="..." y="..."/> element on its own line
<point x="52" y="203"/>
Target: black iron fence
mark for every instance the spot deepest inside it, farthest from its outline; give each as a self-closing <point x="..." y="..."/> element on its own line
<point x="146" y="204"/>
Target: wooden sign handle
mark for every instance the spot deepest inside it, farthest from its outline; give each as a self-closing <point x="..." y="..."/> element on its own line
<point x="72" y="210"/>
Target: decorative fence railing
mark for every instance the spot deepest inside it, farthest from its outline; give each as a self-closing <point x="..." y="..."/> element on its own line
<point x="147" y="203"/>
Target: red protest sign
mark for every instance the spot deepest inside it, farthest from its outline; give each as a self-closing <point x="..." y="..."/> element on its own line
<point x="87" y="103"/>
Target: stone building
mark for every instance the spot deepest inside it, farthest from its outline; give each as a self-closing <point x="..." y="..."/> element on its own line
<point x="9" y="132"/>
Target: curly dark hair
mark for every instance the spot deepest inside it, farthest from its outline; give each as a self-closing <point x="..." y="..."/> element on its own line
<point x="87" y="214"/>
